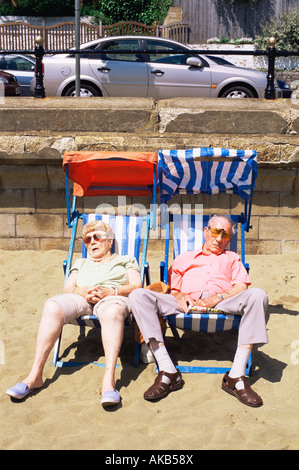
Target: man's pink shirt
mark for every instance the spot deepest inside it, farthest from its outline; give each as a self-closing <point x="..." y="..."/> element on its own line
<point x="194" y="273"/>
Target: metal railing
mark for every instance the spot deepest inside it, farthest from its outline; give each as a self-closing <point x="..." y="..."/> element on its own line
<point x="271" y="53"/>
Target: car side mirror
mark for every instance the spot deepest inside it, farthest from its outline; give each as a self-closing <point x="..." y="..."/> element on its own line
<point x="194" y="61"/>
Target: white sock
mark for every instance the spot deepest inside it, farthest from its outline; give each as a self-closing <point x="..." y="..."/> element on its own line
<point x="163" y="360"/>
<point x="239" y="364"/>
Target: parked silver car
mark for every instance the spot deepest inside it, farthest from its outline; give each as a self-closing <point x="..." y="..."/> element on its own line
<point x="157" y="68"/>
<point x="286" y="91"/>
<point x="22" y="67"/>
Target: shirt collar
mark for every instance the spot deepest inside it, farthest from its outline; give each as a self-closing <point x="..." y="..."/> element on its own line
<point x="200" y="252"/>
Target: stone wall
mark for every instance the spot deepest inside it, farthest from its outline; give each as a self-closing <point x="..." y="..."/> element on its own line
<point x="35" y="133"/>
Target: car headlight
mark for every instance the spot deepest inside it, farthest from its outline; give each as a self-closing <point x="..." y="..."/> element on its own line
<point x="3" y="80"/>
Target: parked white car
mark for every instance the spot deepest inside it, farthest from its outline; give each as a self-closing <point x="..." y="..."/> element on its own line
<point x="158" y="68"/>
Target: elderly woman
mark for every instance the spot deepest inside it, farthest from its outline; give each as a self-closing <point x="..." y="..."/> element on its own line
<point x="98" y="285"/>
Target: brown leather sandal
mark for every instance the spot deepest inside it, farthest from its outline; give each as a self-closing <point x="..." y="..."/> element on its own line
<point x="246" y="395"/>
<point x="160" y="389"/>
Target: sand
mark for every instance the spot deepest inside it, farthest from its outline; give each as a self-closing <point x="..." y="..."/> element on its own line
<point x="67" y="414"/>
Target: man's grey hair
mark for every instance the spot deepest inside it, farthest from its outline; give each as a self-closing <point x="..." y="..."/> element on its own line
<point x="230" y="221"/>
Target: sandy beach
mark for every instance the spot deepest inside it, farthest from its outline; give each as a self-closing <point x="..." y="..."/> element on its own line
<point x="67" y="414"/>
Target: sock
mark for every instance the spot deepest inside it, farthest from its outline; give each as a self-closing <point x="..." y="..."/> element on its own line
<point x="163" y="360"/>
<point x="239" y="365"/>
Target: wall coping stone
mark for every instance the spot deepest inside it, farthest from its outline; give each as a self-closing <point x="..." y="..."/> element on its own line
<point x="39" y="131"/>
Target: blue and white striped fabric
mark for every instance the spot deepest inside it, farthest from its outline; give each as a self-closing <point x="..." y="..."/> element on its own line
<point x="87" y="320"/>
<point x="127" y="230"/>
<point x="204" y="322"/>
<point x="128" y="233"/>
<point x="190" y="171"/>
<point x="188" y="232"/>
<point x="91" y="321"/>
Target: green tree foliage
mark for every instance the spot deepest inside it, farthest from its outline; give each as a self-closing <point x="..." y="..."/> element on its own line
<point x="142" y="11"/>
<point x="109" y="11"/>
<point x="285" y="30"/>
<point x="38" y="7"/>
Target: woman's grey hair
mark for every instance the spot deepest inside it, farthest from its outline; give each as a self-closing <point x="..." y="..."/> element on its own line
<point x="98" y="225"/>
<point x="230" y="221"/>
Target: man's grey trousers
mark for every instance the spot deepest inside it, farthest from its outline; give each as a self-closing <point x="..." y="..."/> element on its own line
<point x="252" y="304"/>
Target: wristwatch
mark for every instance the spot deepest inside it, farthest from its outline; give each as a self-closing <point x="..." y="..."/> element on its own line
<point x="220" y="296"/>
<point x="115" y="290"/>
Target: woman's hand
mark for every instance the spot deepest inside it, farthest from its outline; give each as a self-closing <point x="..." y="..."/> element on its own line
<point x="97" y="293"/>
<point x="90" y="294"/>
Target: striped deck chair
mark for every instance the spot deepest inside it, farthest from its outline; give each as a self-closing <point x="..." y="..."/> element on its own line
<point x="208" y="171"/>
<point x="131" y="237"/>
<point x="93" y="175"/>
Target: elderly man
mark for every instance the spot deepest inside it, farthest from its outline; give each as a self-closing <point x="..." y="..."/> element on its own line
<point x="210" y="277"/>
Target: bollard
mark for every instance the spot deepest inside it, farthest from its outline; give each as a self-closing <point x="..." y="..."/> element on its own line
<point x="39" y="89"/>
<point x="270" y="88"/>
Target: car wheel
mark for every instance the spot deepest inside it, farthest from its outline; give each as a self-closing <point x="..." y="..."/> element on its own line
<point x="86" y="91"/>
<point x="238" y="92"/>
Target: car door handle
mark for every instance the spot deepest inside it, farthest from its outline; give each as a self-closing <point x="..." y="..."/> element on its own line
<point x="104" y="69"/>
<point x="157" y="72"/>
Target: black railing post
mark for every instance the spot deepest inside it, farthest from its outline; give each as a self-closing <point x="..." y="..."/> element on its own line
<point x="39" y="89"/>
<point x="270" y="88"/>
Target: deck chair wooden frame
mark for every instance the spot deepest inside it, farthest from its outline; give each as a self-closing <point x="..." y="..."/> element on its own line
<point x="98" y="174"/>
<point x="209" y="171"/>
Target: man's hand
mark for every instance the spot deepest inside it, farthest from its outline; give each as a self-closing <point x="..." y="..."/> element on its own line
<point x="209" y="302"/>
<point x="184" y="300"/>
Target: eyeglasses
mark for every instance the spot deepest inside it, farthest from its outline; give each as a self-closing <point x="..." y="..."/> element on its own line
<point x="217" y="231"/>
<point x="97" y="236"/>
